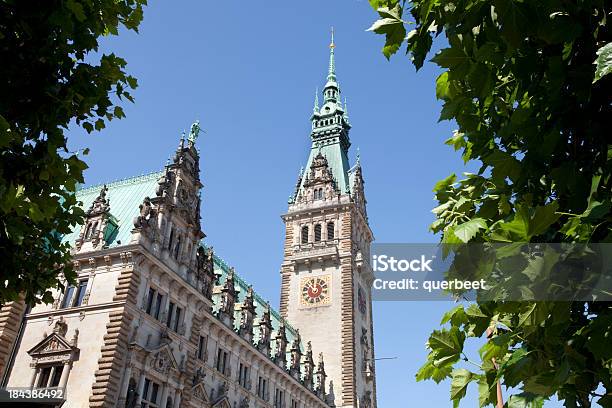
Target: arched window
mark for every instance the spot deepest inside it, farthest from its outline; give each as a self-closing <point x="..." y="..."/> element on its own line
<point x="330" y="231"/>
<point x="317" y="232"/>
<point x="305" y="234"/>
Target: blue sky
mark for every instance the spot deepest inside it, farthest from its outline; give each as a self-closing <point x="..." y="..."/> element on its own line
<point x="248" y="72"/>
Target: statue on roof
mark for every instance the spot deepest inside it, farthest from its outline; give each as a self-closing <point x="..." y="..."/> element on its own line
<point x="194" y="132"/>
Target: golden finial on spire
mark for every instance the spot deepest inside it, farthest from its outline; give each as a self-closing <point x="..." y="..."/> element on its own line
<point x="332" y="45"/>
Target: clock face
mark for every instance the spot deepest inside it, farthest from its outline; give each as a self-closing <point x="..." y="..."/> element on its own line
<point x="361" y="300"/>
<point x="315" y="291"/>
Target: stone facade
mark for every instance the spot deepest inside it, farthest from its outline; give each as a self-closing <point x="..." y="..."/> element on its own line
<point x="156" y="319"/>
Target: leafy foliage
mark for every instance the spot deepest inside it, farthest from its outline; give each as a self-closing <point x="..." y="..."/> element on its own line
<point x="519" y="80"/>
<point x="46" y="84"/>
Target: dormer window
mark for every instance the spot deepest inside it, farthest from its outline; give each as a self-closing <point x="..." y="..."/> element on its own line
<point x="91" y="230"/>
<point x="318" y="194"/>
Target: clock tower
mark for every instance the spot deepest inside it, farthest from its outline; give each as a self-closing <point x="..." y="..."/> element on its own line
<point x="326" y="277"/>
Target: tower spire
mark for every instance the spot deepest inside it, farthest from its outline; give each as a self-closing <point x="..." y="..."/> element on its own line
<point x="331" y="75"/>
<point x="331" y="92"/>
<point x="316" y="101"/>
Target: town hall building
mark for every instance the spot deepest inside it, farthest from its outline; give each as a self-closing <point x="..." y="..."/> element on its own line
<point x="157" y="319"/>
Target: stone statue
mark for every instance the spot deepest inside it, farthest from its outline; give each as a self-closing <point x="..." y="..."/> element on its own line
<point x="145" y="213"/>
<point x="194" y="132"/>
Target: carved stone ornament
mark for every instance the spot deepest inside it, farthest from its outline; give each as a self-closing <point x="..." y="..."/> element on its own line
<point x="54" y="347"/>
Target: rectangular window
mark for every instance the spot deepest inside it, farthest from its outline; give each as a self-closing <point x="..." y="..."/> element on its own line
<point x="243" y="375"/>
<point x="150" y="297"/>
<point x="80" y="293"/>
<point x="154" y="392"/>
<point x="279" y="398"/>
<point x="145" y="391"/>
<point x="150" y="394"/>
<point x="43" y="377"/>
<point x="177" y="318"/>
<point x="158" y="303"/>
<point x="330" y="231"/>
<point x="68" y="293"/>
<point x="57" y="375"/>
<point x="295" y="403"/>
<point x="222" y="365"/>
<point x="201" y="348"/>
<point x="170" y="314"/>
<point x="262" y="388"/>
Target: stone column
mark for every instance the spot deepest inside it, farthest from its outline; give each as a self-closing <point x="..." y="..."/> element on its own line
<point x="141" y="382"/>
<point x="124" y="387"/>
<point x="177" y="399"/>
<point x="164" y="395"/>
<point x="64" y="377"/>
<point x="51" y="375"/>
<point x="34" y="377"/>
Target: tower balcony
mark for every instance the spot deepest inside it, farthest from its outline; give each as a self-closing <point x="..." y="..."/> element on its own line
<point x="315" y="251"/>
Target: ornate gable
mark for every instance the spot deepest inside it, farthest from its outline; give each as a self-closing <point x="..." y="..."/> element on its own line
<point x="199" y="392"/>
<point x="319" y="182"/>
<point x="55" y="347"/>
<point x="162" y="359"/>
<point x="222" y="403"/>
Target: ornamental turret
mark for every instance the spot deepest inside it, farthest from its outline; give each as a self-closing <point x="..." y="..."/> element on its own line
<point x="320" y="377"/>
<point x="247" y="315"/>
<point x="228" y="299"/>
<point x="265" y="331"/>
<point x="280" y="342"/>
<point x="308" y="377"/>
<point x="296" y="356"/>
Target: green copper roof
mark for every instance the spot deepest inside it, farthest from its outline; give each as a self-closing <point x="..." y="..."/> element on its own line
<point x="124" y="198"/>
<point x="222" y="269"/>
<point x="330" y="128"/>
<point x="337" y="160"/>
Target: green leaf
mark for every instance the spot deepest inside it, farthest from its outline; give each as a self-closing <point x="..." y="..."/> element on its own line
<point x="77" y="9"/>
<point x="460" y="380"/>
<point x="451" y="58"/>
<point x="392" y="26"/>
<point x="603" y="62"/>
<point x="525" y="400"/>
<point x="468" y="230"/>
<point x="430" y="372"/>
<point x="446" y="346"/>
<point x="442" y="86"/>
<point x="445" y="184"/>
